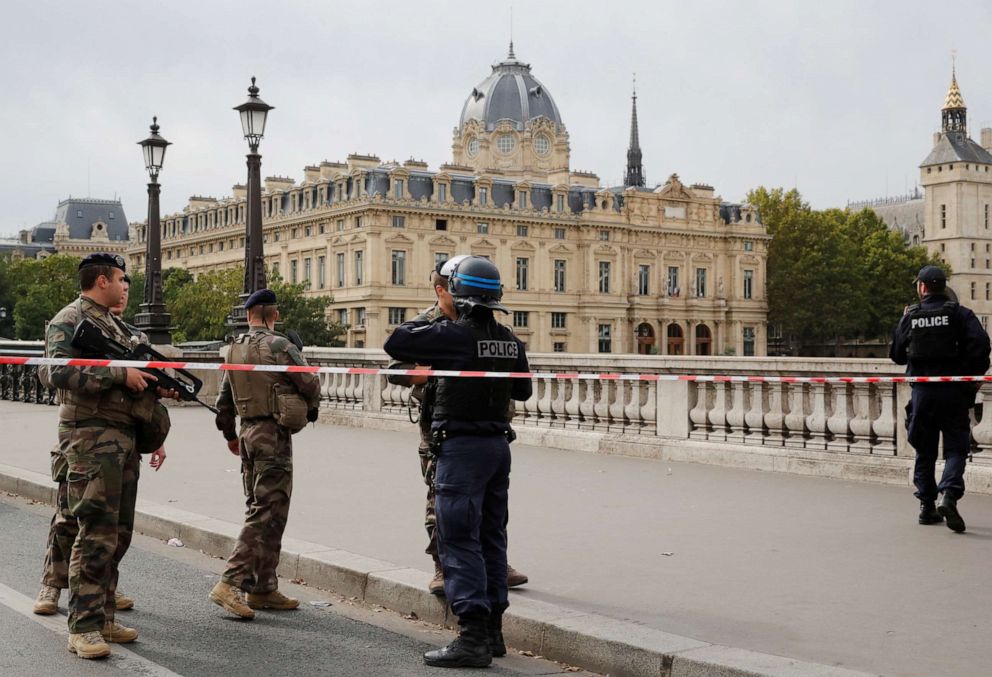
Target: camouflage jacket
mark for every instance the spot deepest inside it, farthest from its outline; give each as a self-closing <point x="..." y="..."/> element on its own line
<point x="89" y="392"/>
<point x="283" y="352"/>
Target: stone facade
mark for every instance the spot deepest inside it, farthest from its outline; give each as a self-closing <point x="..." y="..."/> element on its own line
<point x="586" y="268"/>
<point x="81" y="226"/>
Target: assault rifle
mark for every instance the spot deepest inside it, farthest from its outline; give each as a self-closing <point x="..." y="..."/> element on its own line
<point x="91" y="341"/>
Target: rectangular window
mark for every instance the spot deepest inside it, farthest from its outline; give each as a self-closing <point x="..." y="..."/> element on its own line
<point x="522" y="199"/>
<point x="604" y="277"/>
<point x="398" y="189"/>
<point x="972" y="291"/>
<point x="986" y="218"/>
<point x="397" y="316"/>
<point x="559" y="233"/>
<point x="604" y="236"/>
<point x="483" y="196"/>
<point x="277" y="236"/>
<point x="399" y="267"/>
<point x="293" y="271"/>
<point x="275" y="269"/>
<point x="700" y="282"/>
<point x="988" y="291"/>
<point x="748" y="341"/>
<point x="520" y="318"/>
<point x="201" y="248"/>
<point x="748" y="284"/>
<point x="441" y="224"/>
<point x="605" y="338"/>
<point x="943" y="216"/>
<point x="294" y="234"/>
<point x="323" y="227"/>
<point x="340" y="225"/>
<point x="973" y="263"/>
<point x="343" y="316"/>
<point x="307" y="271"/>
<point x="560" y="204"/>
<point x="306" y="231"/>
<point x="559" y="275"/>
<point x="220" y="245"/>
<point x="339" y="259"/>
<point x="482" y="228"/>
<point x="439" y="258"/>
<point x="359" y="267"/>
<point x="521" y="231"/>
<point x="522" y="268"/>
<point x="748" y="246"/>
<point x="321" y="271"/>
<point x="559" y="347"/>
<point x="643" y="280"/>
<point x="558" y="320"/>
<point x="399" y="222"/>
<point x="358" y="222"/>
<point x="360" y="317"/>
<point x="442" y="192"/>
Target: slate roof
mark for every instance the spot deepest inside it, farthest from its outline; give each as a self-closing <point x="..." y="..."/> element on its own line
<point x="956" y="147"/>
<point x="509" y="93"/>
<point x="81" y="213"/>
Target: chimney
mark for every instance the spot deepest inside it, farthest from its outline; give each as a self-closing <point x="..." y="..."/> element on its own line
<point x="987" y="138"/>
<point x="311" y="174"/>
<point x="240" y="191"/>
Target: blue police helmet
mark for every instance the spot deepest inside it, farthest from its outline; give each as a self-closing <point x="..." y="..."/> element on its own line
<point x="475" y="280"/>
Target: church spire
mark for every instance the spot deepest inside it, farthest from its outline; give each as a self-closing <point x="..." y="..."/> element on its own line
<point x="635" y="171"/>
<point x="954" y="114"/>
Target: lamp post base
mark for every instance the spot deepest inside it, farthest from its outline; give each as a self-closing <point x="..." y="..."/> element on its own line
<point x="155" y="322"/>
<point x="237" y="320"/>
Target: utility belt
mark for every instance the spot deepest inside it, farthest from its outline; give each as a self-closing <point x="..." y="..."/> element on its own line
<point x="252" y="420"/>
<point x="439" y="435"/>
<point x="99" y="423"/>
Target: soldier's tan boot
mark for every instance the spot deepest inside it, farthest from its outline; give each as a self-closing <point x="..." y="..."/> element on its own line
<point x="88" y="645"/>
<point x="48" y="601"/>
<point x="117" y="633"/>
<point x="230" y="598"/>
<point x="272" y="600"/>
<point x="123" y="602"/>
<point x="436" y="586"/>
<point x="514" y="577"/>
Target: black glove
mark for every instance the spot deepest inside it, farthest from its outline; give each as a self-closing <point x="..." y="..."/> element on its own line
<point x="312" y="414"/>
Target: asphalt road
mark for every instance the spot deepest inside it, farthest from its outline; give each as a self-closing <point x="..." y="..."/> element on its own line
<point x="183" y="633"/>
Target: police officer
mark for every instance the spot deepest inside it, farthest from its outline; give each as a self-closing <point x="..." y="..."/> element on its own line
<point x="64" y="527"/>
<point x="100" y="409"/>
<point x="939" y="337"/>
<point x="424" y="390"/>
<point x="272" y="406"/>
<point x="472" y="432"/>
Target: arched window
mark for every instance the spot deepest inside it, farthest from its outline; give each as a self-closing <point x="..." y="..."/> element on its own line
<point x="676" y="340"/>
<point x="645" y="338"/>
<point x="704" y="340"/>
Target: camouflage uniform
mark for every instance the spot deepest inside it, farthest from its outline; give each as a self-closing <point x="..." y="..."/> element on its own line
<point x="266" y="459"/>
<point x="64" y="526"/>
<point x="97" y="419"/>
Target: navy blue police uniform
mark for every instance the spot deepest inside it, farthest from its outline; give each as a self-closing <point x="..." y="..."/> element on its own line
<point x="940" y="337"/>
<point x="473" y="433"/>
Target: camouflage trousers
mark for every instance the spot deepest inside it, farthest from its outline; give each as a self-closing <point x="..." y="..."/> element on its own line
<point x="64" y="527"/>
<point x="267" y="473"/>
<point x="95" y="497"/>
<point x="430" y="520"/>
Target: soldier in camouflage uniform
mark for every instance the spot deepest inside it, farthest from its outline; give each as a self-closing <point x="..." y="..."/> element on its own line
<point x="423" y="389"/>
<point x="100" y="409"/>
<point x="64" y="527"/>
<point x="272" y="406"/>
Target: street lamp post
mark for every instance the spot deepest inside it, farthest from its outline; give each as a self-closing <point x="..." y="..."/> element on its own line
<point x="253" y="112"/>
<point x="152" y="317"/>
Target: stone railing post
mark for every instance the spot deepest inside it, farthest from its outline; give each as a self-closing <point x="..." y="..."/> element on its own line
<point x="372" y="385"/>
<point x="902" y="394"/>
<point x="672" y="409"/>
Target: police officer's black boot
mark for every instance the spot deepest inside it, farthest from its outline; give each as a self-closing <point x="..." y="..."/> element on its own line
<point x="929" y="514"/>
<point x="495" y="633"/>
<point x="469" y="650"/>
<point x="948" y="507"/>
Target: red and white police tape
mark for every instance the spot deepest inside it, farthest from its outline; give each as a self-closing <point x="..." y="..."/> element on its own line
<point x="718" y="378"/>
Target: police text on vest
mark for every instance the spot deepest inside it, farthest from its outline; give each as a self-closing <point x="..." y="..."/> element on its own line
<point x="497" y="348"/>
<point x="924" y="322"/>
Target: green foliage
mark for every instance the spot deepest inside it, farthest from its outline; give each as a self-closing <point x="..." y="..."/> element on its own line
<point x="135" y="295"/>
<point x="834" y="274"/>
<point x="39" y="288"/>
<point x="6" y="299"/>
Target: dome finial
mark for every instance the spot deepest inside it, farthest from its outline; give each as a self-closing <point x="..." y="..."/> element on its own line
<point x="511" y="56"/>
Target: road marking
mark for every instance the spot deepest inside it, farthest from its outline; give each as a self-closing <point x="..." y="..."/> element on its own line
<point x="120" y="657"/>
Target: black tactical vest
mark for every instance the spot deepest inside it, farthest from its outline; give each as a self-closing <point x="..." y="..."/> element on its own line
<point x="932" y="334"/>
<point x="480" y="399"/>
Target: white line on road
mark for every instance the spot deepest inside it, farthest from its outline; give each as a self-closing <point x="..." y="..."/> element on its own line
<point x="120" y="658"/>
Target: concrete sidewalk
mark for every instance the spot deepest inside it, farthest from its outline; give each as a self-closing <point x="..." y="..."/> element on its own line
<point x="825" y="571"/>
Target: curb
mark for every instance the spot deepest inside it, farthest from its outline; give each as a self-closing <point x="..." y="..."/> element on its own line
<point x="594" y="642"/>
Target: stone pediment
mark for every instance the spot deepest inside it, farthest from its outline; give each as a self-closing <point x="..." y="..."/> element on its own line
<point x="674" y="189"/>
<point x="483" y="244"/>
<point x="605" y="250"/>
<point x="559" y="249"/>
<point x="674" y="255"/>
<point x="523" y="244"/>
<point x="644" y="254"/>
<point x="398" y="238"/>
<point x="702" y="257"/>
<point x="442" y="241"/>
<point x="751" y="259"/>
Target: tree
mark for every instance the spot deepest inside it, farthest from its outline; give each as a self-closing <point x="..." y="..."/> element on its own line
<point x="7" y="298"/>
<point x="306" y="315"/>
<point x="41" y="288"/>
<point x="136" y="295"/>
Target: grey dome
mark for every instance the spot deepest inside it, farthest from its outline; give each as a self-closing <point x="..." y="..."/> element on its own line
<point x="509" y="93"/>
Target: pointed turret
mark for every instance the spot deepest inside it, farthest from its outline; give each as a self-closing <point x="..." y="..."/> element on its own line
<point x="635" y="170"/>
<point x="954" y="114"/>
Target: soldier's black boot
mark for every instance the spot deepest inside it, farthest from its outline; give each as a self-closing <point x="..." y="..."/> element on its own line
<point x="948" y="508"/>
<point x="495" y="634"/>
<point x="469" y="650"/>
<point x="929" y="514"/>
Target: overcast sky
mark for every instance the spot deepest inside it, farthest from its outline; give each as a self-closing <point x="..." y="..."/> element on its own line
<point x="840" y="98"/>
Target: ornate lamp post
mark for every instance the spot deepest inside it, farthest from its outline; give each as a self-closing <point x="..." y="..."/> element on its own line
<point x="253" y="112"/>
<point x="152" y="317"/>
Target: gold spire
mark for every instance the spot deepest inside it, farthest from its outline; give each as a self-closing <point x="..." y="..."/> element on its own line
<point x="954" y="100"/>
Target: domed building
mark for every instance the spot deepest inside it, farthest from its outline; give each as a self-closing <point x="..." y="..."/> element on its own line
<point x="670" y="269"/>
<point x="81" y="226"/>
<point x="511" y="124"/>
